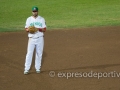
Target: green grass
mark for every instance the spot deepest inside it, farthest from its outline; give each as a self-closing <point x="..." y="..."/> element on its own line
<point x="60" y="14"/>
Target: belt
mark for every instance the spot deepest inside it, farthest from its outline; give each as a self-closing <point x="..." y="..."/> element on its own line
<point x="34" y="38"/>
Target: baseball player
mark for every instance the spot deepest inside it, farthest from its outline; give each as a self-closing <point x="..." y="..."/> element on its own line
<point x="36" y="40"/>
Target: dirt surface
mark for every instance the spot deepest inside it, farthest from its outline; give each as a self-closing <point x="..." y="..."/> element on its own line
<point x="77" y="56"/>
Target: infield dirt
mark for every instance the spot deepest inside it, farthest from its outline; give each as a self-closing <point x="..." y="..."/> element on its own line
<point x="68" y="51"/>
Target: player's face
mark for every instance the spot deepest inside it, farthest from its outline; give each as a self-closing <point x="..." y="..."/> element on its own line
<point x="35" y="13"/>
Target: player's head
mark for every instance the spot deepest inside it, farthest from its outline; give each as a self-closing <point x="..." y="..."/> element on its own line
<point x="35" y="11"/>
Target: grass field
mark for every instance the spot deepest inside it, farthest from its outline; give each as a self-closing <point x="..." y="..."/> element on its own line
<point x="60" y="13"/>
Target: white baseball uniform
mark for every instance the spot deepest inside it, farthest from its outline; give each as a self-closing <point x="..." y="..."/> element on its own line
<point x="36" y="41"/>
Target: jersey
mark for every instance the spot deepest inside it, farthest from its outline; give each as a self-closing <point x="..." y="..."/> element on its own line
<point x="38" y="22"/>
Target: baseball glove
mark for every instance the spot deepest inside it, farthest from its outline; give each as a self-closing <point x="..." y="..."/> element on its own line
<point x="32" y="29"/>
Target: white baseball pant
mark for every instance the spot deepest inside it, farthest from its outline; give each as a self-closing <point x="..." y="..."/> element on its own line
<point x="38" y="44"/>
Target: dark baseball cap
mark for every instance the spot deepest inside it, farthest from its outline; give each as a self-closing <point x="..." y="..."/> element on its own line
<point x="34" y="8"/>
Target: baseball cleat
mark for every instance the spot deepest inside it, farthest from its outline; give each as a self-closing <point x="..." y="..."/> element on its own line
<point x="26" y="72"/>
<point x="37" y="71"/>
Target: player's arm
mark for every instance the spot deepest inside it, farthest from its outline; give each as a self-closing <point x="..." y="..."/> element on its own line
<point x="41" y="29"/>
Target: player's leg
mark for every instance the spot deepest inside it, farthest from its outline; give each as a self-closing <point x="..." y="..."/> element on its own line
<point x="39" y="52"/>
<point x="29" y="54"/>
